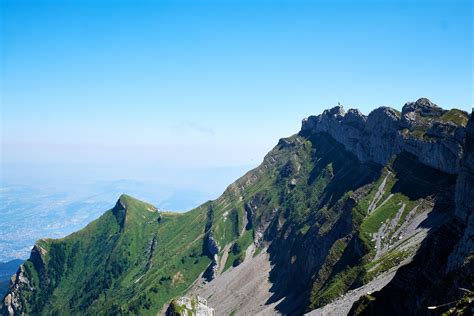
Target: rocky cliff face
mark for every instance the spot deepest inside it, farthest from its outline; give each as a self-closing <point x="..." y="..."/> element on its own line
<point x="465" y="204"/>
<point x="13" y="300"/>
<point x="465" y="183"/>
<point x="406" y="204"/>
<point x="21" y="285"/>
<point x="442" y="272"/>
<point x="419" y="129"/>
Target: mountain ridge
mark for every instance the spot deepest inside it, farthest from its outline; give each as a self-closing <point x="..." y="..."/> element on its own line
<point x="387" y="132"/>
<point x="330" y="210"/>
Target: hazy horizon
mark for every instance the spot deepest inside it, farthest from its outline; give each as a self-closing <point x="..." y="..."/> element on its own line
<point x="149" y="90"/>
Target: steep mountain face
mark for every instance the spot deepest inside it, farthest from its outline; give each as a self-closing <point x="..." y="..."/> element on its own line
<point x="422" y="129"/>
<point x="7" y="269"/>
<point x="443" y="270"/>
<point x="133" y="259"/>
<point x="351" y="204"/>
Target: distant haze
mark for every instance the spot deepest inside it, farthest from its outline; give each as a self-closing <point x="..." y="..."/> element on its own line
<point x="184" y="92"/>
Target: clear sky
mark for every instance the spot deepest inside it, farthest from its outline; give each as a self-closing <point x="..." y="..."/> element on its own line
<point x="142" y="88"/>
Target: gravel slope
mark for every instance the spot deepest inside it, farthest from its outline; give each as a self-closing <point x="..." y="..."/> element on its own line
<point x="242" y="290"/>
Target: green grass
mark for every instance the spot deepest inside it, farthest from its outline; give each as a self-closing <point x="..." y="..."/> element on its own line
<point x="362" y="304"/>
<point x="364" y="203"/>
<point x="103" y="268"/>
<point x="257" y="251"/>
<point x="382" y="214"/>
<point x="237" y="251"/>
<point x="134" y="259"/>
<point x="341" y="272"/>
<point x="385" y="263"/>
<point x="338" y="285"/>
<point x="335" y="253"/>
<point x="419" y="132"/>
<point x="456" y="116"/>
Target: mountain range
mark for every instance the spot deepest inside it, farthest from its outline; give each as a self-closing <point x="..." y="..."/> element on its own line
<point x="354" y="214"/>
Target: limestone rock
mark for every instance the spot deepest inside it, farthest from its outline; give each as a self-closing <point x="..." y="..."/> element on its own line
<point x="418" y="130"/>
<point x="423" y="107"/>
<point x="190" y="306"/>
<point x="13" y="303"/>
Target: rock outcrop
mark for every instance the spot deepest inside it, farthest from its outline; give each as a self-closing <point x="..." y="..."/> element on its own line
<point x="19" y="283"/>
<point x="190" y="306"/>
<point x="418" y="129"/>
<point x="212" y="250"/>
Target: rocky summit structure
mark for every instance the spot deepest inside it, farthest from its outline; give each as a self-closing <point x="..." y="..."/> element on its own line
<point x="355" y="214"/>
<point x="435" y="136"/>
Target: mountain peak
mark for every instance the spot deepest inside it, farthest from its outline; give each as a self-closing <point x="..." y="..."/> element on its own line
<point x="128" y="202"/>
<point x="423" y="107"/>
<point x="337" y="111"/>
<point x="124" y="201"/>
<point x="127" y="205"/>
<point x="421" y="129"/>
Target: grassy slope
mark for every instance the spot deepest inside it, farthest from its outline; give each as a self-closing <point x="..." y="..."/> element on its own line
<point x="107" y="268"/>
<point x="456" y="116"/>
<point x="298" y="191"/>
<point x="309" y="198"/>
<point x="411" y="184"/>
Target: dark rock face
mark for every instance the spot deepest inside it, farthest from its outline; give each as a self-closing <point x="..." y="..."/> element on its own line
<point x="465" y="184"/>
<point x="14" y="302"/>
<point x="381" y="135"/>
<point x="445" y="262"/>
<point x="422" y="107"/>
<point x="465" y="201"/>
<point x="385" y="132"/>
<point x="37" y="257"/>
<point x="420" y="283"/>
<point x="212" y="246"/>
<point x="120" y="212"/>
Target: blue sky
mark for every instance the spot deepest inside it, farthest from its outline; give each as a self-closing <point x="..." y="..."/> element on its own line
<point x="135" y="89"/>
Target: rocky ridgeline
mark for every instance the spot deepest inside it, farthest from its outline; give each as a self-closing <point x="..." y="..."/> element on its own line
<point x="18" y="283"/>
<point x="420" y="129"/>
